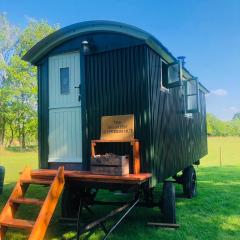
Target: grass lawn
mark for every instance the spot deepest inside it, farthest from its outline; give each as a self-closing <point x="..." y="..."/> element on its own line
<point x="214" y="214"/>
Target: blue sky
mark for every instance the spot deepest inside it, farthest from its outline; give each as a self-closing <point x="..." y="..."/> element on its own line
<point x="207" y="32"/>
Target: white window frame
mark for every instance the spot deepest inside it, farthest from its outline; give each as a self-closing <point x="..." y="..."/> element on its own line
<point x="162" y="87"/>
<point x="187" y="114"/>
<point x="170" y="85"/>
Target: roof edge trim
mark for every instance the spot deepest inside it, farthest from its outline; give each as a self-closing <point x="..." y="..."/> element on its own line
<point x="77" y="29"/>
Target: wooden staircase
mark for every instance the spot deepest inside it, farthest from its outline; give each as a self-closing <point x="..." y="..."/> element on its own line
<point x="37" y="228"/>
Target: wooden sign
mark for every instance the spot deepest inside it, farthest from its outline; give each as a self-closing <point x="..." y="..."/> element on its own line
<point x="118" y="127"/>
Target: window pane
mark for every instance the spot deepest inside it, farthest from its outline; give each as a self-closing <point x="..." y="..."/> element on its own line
<point x="191" y="87"/>
<point x="192" y="103"/>
<point x="64" y="80"/>
<point x="173" y="73"/>
<point x="191" y="96"/>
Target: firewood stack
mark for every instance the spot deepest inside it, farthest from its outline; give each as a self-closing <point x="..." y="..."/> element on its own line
<point x="110" y="164"/>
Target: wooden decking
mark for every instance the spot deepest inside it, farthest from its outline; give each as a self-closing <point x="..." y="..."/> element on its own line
<point x="85" y="176"/>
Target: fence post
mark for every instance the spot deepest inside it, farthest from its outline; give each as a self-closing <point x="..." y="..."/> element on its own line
<point x="220" y="154"/>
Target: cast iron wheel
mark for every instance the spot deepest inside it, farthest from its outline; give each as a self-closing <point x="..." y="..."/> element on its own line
<point x="168" y="204"/>
<point x="189" y="182"/>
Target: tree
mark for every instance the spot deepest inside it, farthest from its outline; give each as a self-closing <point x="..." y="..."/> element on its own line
<point x="216" y="127"/>
<point x="22" y="82"/>
<point x="18" y="80"/>
<point x="8" y="38"/>
<point x="236" y="116"/>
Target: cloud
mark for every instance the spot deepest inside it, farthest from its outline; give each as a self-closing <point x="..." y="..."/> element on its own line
<point x="230" y="110"/>
<point x="233" y="109"/>
<point x="219" y="92"/>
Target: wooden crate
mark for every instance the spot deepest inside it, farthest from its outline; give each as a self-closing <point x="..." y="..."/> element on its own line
<point x="110" y="164"/>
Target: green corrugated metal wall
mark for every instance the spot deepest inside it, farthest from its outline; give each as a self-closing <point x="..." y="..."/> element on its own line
<point x="176" y="140"/>
<point x="127" y="80"/>
<point x="115" y="84"/>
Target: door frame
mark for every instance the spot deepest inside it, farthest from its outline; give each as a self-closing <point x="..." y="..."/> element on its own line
<point x="85" y="140"/>
<point x="59" y="105"/>
<point x="44" y="110"/>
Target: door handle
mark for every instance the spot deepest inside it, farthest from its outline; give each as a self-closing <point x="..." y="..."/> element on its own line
<point x="79" y="92"/>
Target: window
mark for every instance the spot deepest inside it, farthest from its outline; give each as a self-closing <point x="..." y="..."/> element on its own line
<point x="191" y="95"/>
<point x="171" y="74"/>
<point x="64" y="80"/>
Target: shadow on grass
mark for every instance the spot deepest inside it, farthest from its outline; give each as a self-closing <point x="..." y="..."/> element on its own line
<point x="214" y="214"/>
<point x="20" y="149"/>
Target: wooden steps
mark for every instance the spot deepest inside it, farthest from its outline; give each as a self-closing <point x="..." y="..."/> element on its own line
<point x="37" y="228"/>
<point x="18" y="223"/>
<point x="36" y="181"/>
<point x="27" y="201"/>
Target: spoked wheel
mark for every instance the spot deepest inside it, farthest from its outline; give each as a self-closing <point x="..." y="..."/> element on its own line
<point x="168" y="203"/>
<point x="189" y="182"/>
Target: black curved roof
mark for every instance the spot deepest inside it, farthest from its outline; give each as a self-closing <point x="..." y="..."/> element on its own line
<point x="50" y="42"/>
<point x="66" y="33"/>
